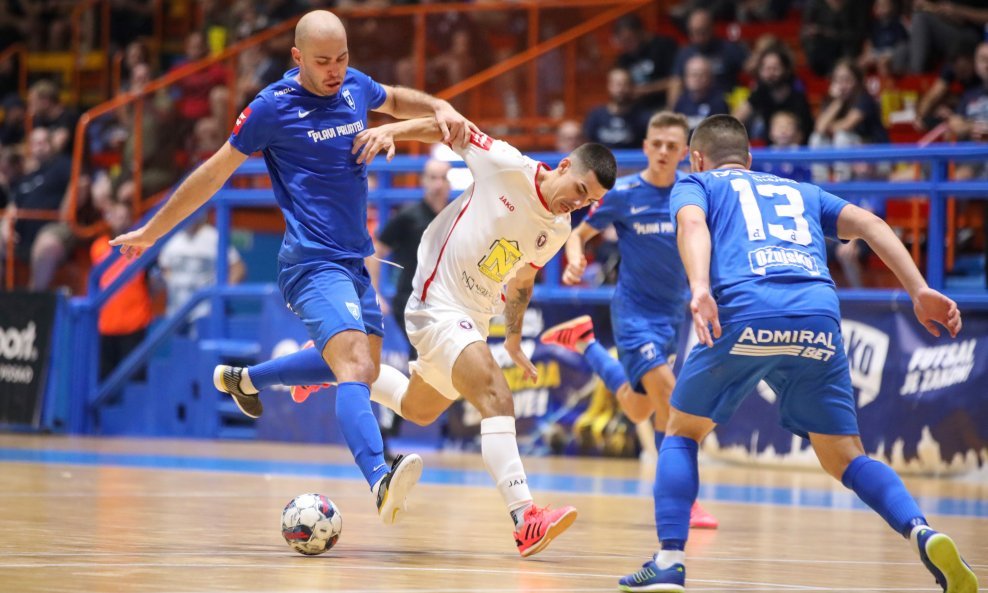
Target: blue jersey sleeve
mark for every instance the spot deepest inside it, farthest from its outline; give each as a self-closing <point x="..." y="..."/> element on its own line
<point x="606" y="212"/>
<point x="687" y="191"/>
<point x="255" y="126"/>
<point x="374" y="92"/>
<point x="830" y="209"/>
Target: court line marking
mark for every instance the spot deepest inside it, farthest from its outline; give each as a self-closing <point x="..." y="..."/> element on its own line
<point x="566" y="483"/>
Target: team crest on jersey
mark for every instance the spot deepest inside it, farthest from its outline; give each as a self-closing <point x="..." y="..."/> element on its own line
<point x="354" y="309"/>
<point x="465" y="324"/>
<point x="541" y="240"/>
<point x="240" y="120"/>
<point x="349" y="99"/>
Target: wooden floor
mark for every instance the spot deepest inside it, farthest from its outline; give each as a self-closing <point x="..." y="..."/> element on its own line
<point x="101" y="515"/>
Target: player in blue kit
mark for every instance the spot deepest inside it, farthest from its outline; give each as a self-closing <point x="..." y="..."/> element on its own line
<point x="305" y="124"/>
<point x="650" y="300"/>
<point x="753" y="248"/>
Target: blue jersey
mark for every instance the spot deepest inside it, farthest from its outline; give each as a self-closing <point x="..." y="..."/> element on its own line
<point x="306" y="141"/>
<point x="768" y="255"/>
<point x="651" y="277"/>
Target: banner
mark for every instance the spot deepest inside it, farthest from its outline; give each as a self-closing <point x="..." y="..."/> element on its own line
<point x="26" y="322"/>
<point x="922" y="401"/>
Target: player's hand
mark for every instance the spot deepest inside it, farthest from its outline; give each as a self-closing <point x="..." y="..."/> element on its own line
<point x="454" y="127"/>
<point x="704" y="309"/>
<point x="933" y="308"/>
<point x="512" y="345"/>
<point x="134" y="243"/>
<point x="372" y="141"/>
<point x="573" y="274"/>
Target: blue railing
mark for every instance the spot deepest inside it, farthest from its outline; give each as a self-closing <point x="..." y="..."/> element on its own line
<point x="83" y="312"/>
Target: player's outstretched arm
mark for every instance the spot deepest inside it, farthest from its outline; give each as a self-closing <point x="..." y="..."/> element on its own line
<point x="190" y="195"/>
<point x="372" y="141"/>
<point x="930" y="306"/>
<point x="517" y="296"/>
<point x="693" y="237"/>
<point x="405" y="103"/>
<point x="576" y="261"/>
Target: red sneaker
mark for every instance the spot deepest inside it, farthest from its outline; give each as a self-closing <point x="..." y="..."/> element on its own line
<point x="300" y="393"/>
<point x="570" y="334"/>
<point x="701" y="519"/>
<point x="541" y="526"/>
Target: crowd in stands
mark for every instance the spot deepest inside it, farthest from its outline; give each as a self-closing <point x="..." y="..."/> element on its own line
<point x="817" y="88"/>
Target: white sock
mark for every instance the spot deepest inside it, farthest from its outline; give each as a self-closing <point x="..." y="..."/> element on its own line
<point x="666" y="558"/>
<point x="499" y="448"/>
<point x="389" y="389"/>
<point x="246" y="385"/>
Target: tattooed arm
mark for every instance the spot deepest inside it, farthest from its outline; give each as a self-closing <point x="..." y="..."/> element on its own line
<point x="518" y="294"/>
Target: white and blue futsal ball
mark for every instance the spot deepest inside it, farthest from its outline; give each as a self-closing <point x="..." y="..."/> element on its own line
<point x="311" y="524"/>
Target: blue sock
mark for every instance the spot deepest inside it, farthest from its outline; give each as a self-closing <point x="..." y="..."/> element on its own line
<point x="605" y="366"/>
<point x="305" y="367"/>
<point x="677" y="482"/>
<point x="881" y="488"/>
<point x="360" y="430"/>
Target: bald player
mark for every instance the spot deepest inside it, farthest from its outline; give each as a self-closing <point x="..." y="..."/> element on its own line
<point x="304" y="124"/>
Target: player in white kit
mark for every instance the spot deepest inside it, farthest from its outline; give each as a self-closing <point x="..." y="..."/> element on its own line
<point x="477" y="259"/>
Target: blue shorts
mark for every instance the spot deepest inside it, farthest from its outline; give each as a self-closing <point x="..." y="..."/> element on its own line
<point x="330" y="297"/>
<point x="801" y="358"/>
<point x="643" y="341"/>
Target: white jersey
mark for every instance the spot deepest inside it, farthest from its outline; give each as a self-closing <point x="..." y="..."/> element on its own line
<point x="482" y="238"/>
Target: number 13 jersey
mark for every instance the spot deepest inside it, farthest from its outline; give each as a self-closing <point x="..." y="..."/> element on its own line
<point x="482" y="238"/>
<point x="768" y="255"/>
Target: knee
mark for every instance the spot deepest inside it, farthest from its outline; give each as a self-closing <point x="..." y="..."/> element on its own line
<point x="47" y="246"/>
<point x="358" y="370"/>
<point x="421" y="417"/>
<point x="495" y="402"/>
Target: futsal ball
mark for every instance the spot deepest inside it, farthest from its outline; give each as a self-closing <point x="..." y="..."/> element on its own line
<point x="311" y="524"/>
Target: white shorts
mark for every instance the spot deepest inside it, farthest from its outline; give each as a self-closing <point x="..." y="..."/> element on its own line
<point x="440" y="332"/>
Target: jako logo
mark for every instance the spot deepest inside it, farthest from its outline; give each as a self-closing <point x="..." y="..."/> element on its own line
<point x="18" y="344"/>
<point x="511" y="207"/>
<point x="866" y="348"/>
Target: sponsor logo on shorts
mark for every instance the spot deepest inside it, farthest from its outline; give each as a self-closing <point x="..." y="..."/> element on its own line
<point x="465" y="324"/>
<point x="648" y="351"/>
<point x="354" y="309"/>
<point x="938" y="367"/>
<point x="791" y="342"/>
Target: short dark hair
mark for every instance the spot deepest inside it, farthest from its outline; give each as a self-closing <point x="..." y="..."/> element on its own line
<point x="722" y="139"/>
<point x="599" y="159"/>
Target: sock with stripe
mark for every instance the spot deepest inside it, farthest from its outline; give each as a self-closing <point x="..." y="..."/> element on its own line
<point x="360" y="430"/>
<point x="608" y="369"/>
<point x="881" y="488"/>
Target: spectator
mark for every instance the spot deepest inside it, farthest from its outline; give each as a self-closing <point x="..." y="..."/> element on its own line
<point x="849" y="117"/>
<point x="785" y="134"/>
<point x="192" y="100"/>
<point x="11" y="167"/>
<point x="42" y="187"/>
<point x="648" y="58"/>
<point x="956" y="78"/>
<point x="776" y="89"/>
<point x="701" y="98"/>
<point x="971" y="119"/>
<point x="160" y="141"/>
<point x="124" y="318"/>
<point x="569" y="135"/>
<point x="47" y="110"/>
<point x="749" y="11"/>
<point x="12" y="128"/>
<point x="188" y="264"/>
<point x="620" y="123"/>
<point x="832" y="29"/>
<point x="936" y="26"/>
<point x="726" y="58"/>
<point x="887" y="48"/>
